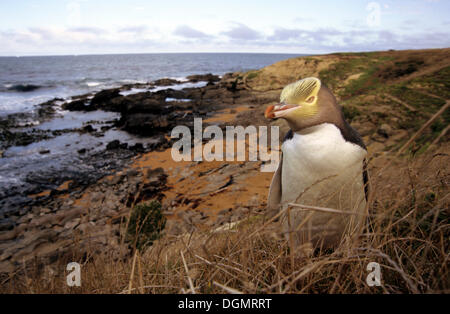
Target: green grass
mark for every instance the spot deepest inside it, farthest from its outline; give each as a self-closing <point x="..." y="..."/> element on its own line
<point x="416" y="98"/>
<point x="252" y="75"/>
<point x="339" y="71"/>
<point x="357" y="63"/>
<point x="145" y="225"/>
<point x="437" y="83"/>
<point x="362" y="84"/>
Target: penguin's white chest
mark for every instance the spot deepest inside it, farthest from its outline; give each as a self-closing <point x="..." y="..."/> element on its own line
<point x="319" y="160"/>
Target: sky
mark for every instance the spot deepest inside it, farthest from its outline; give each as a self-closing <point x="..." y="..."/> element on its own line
<point x="74" y="27"/>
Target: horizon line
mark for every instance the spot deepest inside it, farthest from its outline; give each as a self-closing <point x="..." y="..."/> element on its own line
<point x="155" y="53"/>
<point x="243" y="52"/>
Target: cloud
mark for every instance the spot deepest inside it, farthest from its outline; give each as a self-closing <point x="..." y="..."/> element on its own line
<point x="76" y="40"/>
<point x="87" y="30"/>
<point x="303" y="19"/>
<point x="138" y="29"/>
<point x="42" y="33"/>
<point x="140" y="38"/>
<point x="189" y="32"/>
<point x="313" y="36"/>
<point x="410" y="23"/>
<point x="242" y="32"/>
<point x="330" y="39"/>
<point x="282" y="34"/>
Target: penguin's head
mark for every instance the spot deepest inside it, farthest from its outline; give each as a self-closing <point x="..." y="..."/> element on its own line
<point x="305" y="103"/>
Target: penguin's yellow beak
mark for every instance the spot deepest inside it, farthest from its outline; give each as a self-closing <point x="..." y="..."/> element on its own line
<point x="279" y="110"/>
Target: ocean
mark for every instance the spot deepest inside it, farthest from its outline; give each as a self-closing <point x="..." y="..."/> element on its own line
<point x="28" y="81"/>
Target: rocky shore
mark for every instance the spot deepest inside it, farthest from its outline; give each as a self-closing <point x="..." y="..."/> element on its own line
<point x="148" y="115"/>
<point x="79" y="209"/>
<point x="42" y="216"/>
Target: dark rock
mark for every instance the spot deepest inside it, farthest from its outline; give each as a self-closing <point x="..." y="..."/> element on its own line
<point x="24" y="87"/>
<point x="88" y="128"/>
<point x="117" y="104"/>
<point x="47" y="109"/>
<point x="146" y="124"/>
<point x="45" y="151"/>
<point x="82" y="151"/>
<point x="8" y="138"/>
<point x="203" y="77"/>
<point x="138" y="147"/>
<point x="7" y="224"/>
<point x="170" y="93"/>
<point x="105" y="96"/>
<point x="145" y="106"/>
<point x="77" y="105"/>
<point x="166" y="82"/>
<point x="113" y="145"/>
<point x="161" y="142"/>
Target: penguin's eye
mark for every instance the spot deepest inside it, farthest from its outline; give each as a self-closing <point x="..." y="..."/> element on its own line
<point x="311" y="99"/>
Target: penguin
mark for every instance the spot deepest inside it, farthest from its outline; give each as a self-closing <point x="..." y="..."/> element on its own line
<point x="322" y="164"/>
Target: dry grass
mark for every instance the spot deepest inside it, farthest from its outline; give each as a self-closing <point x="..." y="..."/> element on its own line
<point x="407" y="234"/>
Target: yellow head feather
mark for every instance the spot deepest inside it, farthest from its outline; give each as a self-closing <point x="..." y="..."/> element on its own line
<point x="299" y="93"/>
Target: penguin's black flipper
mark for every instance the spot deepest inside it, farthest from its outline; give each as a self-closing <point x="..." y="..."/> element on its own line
<point x="366" y="179"/>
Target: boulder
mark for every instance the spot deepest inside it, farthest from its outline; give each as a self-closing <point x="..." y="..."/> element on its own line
<point x="88" y="128"/>
<point x="145" y="106"/>
<point x="104" y="97"/>
<point x="146" y="123"/>
<point x="165" y="82"/>
<point x="24" y="87"/>
<point x="113" y="145"/>
<point x="138" y="147"/>
<point x="170" y="93"/>
<point x="203" y="77"/>
<point x="77" y="105"/>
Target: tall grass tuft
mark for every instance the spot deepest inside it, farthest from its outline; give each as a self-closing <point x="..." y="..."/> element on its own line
<point x="145" y="224"/>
